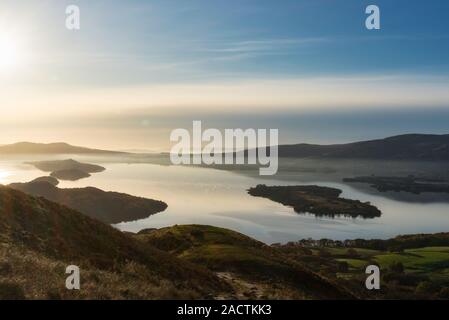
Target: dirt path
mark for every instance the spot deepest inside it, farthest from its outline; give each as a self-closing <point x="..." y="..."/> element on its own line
<point x="242" y="288"/>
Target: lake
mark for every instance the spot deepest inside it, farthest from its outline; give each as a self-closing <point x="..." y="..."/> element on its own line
<point x="216" y="197"/>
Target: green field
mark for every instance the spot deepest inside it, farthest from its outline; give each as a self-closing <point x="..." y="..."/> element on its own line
<point x="355" y="263"/>
<point x="431" y="261"/>
<point x="415" y="273"/>
<point x="422" y="260"/>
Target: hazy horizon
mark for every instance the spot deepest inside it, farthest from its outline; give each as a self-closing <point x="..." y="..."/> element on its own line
<point x="136" y="71"/>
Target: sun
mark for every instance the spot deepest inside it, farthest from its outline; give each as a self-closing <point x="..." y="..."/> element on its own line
<point x="3" y="176"/>
<point x="9" y="52"/>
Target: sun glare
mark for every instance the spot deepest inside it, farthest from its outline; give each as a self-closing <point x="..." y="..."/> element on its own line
<point x="9" y="52"/>
<point x="3" y="176"/>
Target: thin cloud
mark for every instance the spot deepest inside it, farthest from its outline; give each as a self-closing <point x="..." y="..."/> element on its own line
<point x="264" y="45"/>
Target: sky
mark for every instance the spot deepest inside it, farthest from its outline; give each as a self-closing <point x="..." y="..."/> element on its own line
<point x="139" y="68"/>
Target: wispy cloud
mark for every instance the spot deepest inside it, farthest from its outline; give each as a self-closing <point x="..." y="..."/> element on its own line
<point x="265" y="45"/>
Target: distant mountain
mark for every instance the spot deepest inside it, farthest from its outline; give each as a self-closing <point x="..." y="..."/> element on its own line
<point x="402" y="147"/>
<point x="50" y="148"/>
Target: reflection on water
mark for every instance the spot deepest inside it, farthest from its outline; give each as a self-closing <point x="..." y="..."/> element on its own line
<point x="215" y="197"/>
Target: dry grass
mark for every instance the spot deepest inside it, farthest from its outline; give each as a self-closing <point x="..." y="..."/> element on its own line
<point x="25" y="274"/>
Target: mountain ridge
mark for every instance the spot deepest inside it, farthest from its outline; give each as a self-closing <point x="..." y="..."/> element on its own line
<point x="399" y="147"/>
<point x="412" y="146"/>
<point x="50" y="148"/>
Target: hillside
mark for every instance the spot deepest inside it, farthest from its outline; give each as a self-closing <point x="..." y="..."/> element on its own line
<point x="39" y="238"/>
<point x="254" y="269"/>
<point x="50" y="148"/>
<point x="108" y="207"/>
<point x="402" y="147"/>
<point x="70" y="175"/>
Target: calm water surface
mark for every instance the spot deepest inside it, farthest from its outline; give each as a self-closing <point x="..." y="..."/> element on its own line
<point x="219" y="198"/>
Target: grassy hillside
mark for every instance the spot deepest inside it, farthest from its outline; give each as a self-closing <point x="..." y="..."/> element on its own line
<point x="253" y="268"/>
<point x="108" y="207"/>
<point x="39" y="238"/>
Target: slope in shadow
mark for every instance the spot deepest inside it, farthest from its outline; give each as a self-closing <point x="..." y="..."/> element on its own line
<point x="108" y="207"/>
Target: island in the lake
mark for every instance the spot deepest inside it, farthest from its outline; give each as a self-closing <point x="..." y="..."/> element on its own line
<point x="70" y="169"/>
<point x="53" y="181"/>
<point x="321" y="201"/>
<point x="409" y="184"/>
<point x="108" y="207"/>
<point x="70" y="174"/>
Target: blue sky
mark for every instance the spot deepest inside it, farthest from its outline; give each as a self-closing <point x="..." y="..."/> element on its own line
<point x="171" y="40"/>
<point x="245" y="59"/>
<point x="193" y="40"/>
<point x="166" y="40"/>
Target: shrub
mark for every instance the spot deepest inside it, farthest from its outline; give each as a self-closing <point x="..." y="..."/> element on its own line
<point x="425" y="287"/>
<point x="5" y="268"/>
<point x="324" y="253"/>
<point x="11" y="291"/>
<point x="342" y="266"/>
<point x="444" y="293"/>
<point x="397" y="267"/>
<point x="352" y="253"/>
